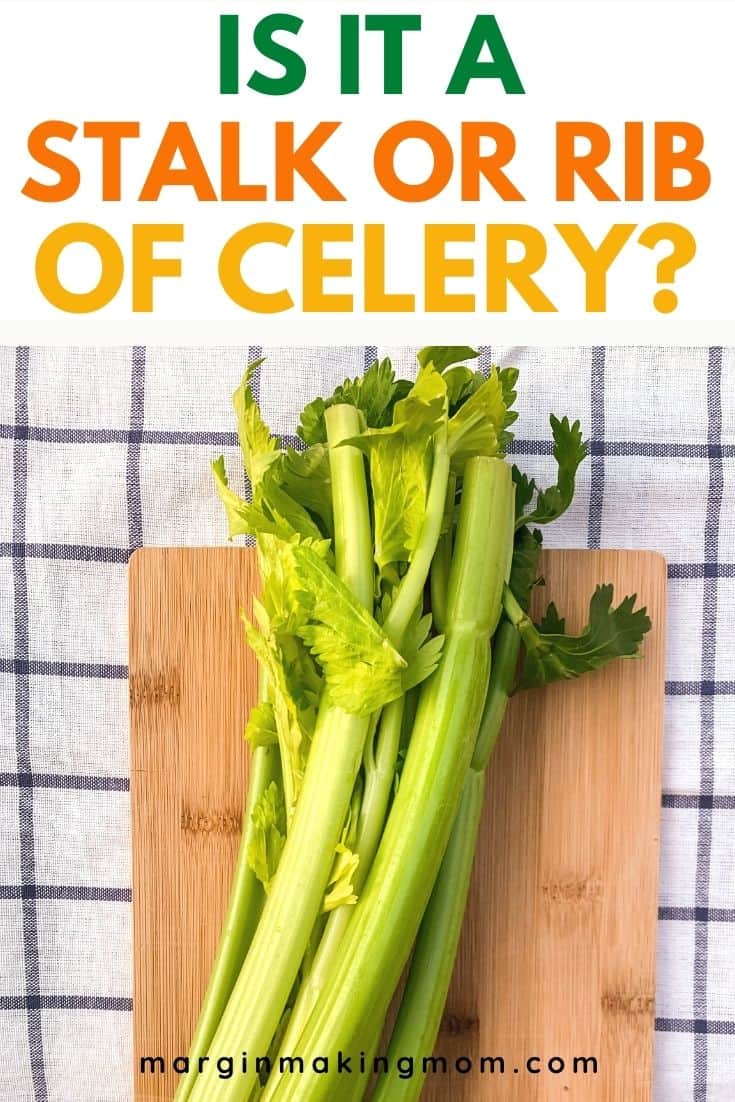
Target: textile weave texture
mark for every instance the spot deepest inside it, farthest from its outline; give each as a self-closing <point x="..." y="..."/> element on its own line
<point x="104" y="450"/>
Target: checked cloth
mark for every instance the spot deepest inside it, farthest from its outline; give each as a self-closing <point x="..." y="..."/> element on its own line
<point x="103" y="450"/>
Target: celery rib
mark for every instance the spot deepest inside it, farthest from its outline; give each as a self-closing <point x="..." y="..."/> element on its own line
<point x="419" y="1018"/>
<point x="375" y="800"/>
<point x="432" y="964"/>
<point x="270" y="968"/>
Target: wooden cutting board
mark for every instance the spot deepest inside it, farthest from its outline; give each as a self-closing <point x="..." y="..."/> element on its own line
<point x="557" y="957"/>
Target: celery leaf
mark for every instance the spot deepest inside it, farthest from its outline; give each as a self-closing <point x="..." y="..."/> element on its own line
<point x="306" y="477"/>
<point x="612" y="632"/>
<point x="293" y="693"/>
<point x="524" y="567"/>
<point x="237" y="510"/>
<point x="461" y="382"/>
<point x="374" y="394"/>
<point x="442" y="356"/>
<point x="272" y="510"/>
<point x="269" y="834"/>
<point x="400" y="458"/>
<point x="525" y="490"/>
<point x="260" y="729"/>
<point x="422" y="652"/>
<point x="478" y="426"/>
<point x="361" y="669"/>
<point x="340" y="889"/>
<point x="259" y="448"/>
<point x="569" y="451"/>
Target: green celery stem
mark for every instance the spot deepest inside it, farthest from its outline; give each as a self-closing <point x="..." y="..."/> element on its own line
<point x="440" y="580"/>
<point x="442" y="560"/>
<point x="419" y="1017"/>
<point x="506" y="649"/>
<point x="379" y="782"/>
<point x="243" y="911"/>
<point x="386" y="918"/>
<point x="411" y="589"/>
<point x="353" y="544"/>
<point x="378" y="788"/>
<point x="292" y="907"/>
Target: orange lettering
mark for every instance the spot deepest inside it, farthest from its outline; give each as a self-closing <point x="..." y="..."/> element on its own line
<point x="177" y="138"/>
<point x="66" y="170"/>
<point x="111" y="134"/>
<point x="384" y="161"/>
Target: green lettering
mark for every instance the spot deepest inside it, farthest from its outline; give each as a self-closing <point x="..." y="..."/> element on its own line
<point x="350" y="55"/>
<point x="392" y="27"/>
<point x="228" y="55"/>
<point x="294" y="69"/>
<point x="485" y="32"/>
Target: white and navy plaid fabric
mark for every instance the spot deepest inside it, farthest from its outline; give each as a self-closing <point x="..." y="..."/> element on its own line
<point x="104" y="450"/>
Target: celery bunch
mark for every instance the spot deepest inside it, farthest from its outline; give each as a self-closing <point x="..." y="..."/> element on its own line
<point x="398" y="553"/>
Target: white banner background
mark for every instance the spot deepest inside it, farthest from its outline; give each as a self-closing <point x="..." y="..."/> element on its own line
<point x="605" y="62"/>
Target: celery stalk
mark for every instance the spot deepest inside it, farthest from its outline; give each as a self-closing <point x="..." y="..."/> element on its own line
<point x="506" y="649"/>
<point x="386" y="918"/>
<point x="422" y="1006"/>
<point x="243" y="911"/>
<point x="297" y="890"/>
<point x="419" y="1018"/>
<point x="412" y="585"/>
<point x="378" y="787"/>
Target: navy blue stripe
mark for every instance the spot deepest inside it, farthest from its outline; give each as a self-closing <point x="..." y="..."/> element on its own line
<point x="691" y="570"/>
<point x="41" y="434"/>
<point x="700" y="688"/>
<point x="597" y="460"/>
<point x="485" y="358"/>
<point x="369" y="356"/>
<point x="137" y="413"/>
<point x="255" y="352"/>
<point x="699" y="1027"/>
<point x="697" y="914"/>
<point x="75" y="893"/>
<point x="43" y="667"/>
<point x="65" y="552"/>
<point x="625" y="449"/>
<point x="22" y="734"/>
<point x="79" y="552"/>
<point x="700" y="800"/>
<point x="609" y="449"/>
<point x="81" y="782"/>
<point x="36" y="1003"/>
<point x="707" y="715"/>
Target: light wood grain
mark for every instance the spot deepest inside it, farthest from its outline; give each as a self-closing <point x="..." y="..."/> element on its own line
<point x="557" y="956"/>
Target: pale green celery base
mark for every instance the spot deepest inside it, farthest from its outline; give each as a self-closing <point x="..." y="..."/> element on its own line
<point x="296" y="896"/>
<point x="372" y="817"/>
<point x="432" y="964"/>
<point x="422" y="1005"/>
